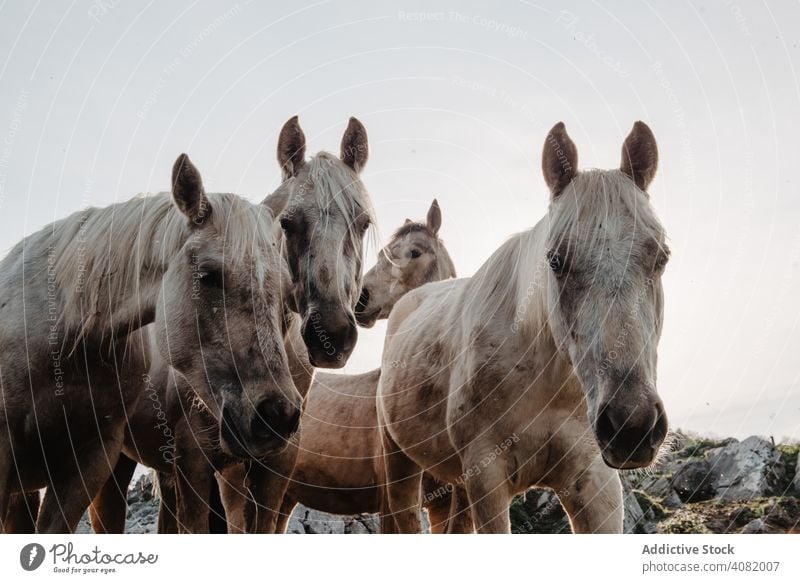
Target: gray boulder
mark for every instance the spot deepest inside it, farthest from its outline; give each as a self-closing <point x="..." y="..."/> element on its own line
<point x="796" y="480"/>
<point x="309" y="521"/>
<point x="693" y="481"/>
<point x="634" y="515"/>
<point x="747" y="469"/>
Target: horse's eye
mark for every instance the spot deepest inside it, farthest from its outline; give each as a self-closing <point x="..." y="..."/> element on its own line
<point x="556" y="262"/>
<point x="286" y="224"/>
<point x="210" y="276"/>
<point x="415" y="253"/>
<point x="661" y="262"/>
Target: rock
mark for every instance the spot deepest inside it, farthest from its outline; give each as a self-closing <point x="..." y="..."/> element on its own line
<point x="538" y="512"/>
<point x="634" y="515"/>
<point x="747" y="469"/>
<point x="309" y="521"/>
<point x="684" y="521"/>
<point x="783" y="514"/>
<point x="362" y="524"/>
<point x="693" y="482"/>
<point x="657" y="486"/>
<point x="672" y="500"/>
<point x="757" y="526"/>
<point x="796" y="480"/>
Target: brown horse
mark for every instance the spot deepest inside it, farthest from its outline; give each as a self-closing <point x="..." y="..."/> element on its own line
<point x="326" y="213"/>
<point x="339" y="464"/>
<point x="91" y="282"/>
<point x="541" y="368"/>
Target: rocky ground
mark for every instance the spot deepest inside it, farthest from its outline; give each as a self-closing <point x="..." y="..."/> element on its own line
<point x="704" y="485"/>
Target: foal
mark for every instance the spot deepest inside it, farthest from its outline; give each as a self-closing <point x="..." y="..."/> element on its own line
<point x="541" y="368"/>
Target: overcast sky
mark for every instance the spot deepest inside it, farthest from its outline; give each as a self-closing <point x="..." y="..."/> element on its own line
<point x="98" y="98"/>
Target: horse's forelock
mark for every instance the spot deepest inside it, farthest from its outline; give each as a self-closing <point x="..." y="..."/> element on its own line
<point x="596" y="197"/>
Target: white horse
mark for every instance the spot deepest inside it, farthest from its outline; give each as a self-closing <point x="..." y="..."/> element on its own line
<point x="541" y="368"/>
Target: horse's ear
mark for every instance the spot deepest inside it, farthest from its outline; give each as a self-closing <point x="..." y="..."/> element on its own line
<point x="355" y="148"/>
<point x="559" y="159"/>
<point x="434" y="219"/>
<point x="407" y="221"/>
<point x="187" y="190"/>
<point x="277" y="201"/>
<point x="291" y="148"/>
<point x="640" y="155"/>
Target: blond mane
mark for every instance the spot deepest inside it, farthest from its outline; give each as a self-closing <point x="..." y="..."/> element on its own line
<point x="515" y="276"/>
<point x="99" y="257"/>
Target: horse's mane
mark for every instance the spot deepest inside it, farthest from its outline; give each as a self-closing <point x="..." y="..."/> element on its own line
<point x="515" y="276"/>
<point x="101" y="256"/>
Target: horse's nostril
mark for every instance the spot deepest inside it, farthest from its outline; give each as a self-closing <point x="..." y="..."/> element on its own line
<point x="275" y="419"/>
<point x="363" y="300"/>
<point x="294" y="424"/>
<point x="660" y="427"/>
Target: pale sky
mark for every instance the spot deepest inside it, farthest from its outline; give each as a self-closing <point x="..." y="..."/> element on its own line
<point x="98" y="98"/>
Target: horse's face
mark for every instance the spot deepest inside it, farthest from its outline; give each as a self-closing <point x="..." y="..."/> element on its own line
<point x="324" y="223"/>
<point x="218" y="318"/>
<point x="605" y="255"/>
<point x="415" y="256"/>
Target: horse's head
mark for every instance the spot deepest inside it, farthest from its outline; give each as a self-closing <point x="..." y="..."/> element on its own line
<point x="415" y="256"/>
<point x="218" y="316"/>
<point x="324" y="222"/>
<point x="605" y="255"/>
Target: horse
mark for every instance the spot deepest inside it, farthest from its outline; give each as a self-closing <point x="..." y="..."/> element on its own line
<point x="326" y="214"/>
<point x="195" y="268"/>
<point x="338" y="467"/>
<point x="539" y="370"/>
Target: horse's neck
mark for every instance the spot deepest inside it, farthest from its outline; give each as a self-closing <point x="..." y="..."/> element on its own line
<point x="511" y="287"/>
<point x="112" y="272"/>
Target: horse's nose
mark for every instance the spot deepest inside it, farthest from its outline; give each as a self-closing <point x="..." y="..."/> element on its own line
<point x="274" y="418"/>
<point x="363" y="301"/>
<point x="630" y="436"/>
<point x="330" y="338"/>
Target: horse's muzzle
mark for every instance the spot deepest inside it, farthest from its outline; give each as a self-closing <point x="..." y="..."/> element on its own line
<point x="265" y="431"/>
<point x="329" y="338"/>
<point x="630" y="438"/>
<point x="366" y="316"/>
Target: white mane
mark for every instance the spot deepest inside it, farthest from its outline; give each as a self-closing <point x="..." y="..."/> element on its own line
<point x="594" y="202"/>
<point x="100" y="256"/>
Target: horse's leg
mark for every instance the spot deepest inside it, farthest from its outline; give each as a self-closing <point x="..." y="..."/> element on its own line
<point x="403" y="486"/>
<point x="110" y="507"/>
<point x="71" y="492"/>
<point x="217" y="520"/>
<point x="5" y="475"/>
<point x="267" y="481"/>
<point x="167" y="508"/>
<point x="287" y="507"/>
<point x="460" y="514"/>
<point x="487" y="488"/>
<point x="592" y="497"/>
<point x="23" y="508"/>
<point x="235" y="497"/>
<point x="439" y="514"/>
<point x="193" y="483"/>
